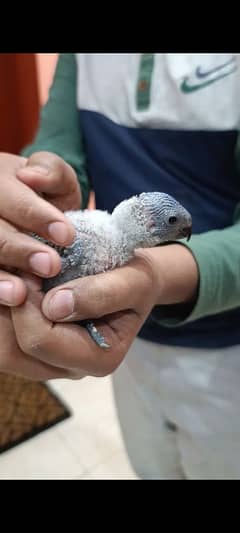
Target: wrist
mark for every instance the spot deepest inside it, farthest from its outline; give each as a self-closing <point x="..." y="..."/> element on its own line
<point x="175" y="273"/>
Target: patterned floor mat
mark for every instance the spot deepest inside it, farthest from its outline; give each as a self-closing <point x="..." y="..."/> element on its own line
<point x="26" y="409"/>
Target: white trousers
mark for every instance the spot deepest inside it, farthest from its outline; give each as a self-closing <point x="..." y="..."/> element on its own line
<point x="179" y="411"/>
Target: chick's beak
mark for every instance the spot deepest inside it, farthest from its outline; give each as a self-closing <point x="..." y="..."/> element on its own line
<point x="186" y="232"/>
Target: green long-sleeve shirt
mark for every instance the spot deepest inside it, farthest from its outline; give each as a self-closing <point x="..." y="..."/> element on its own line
<point x="217" y="252"/>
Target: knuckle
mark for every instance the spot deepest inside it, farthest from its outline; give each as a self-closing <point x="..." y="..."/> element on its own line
<point x="26" y="211"/>
<point x="31" y="344"/>
<point x="42" y="157"/>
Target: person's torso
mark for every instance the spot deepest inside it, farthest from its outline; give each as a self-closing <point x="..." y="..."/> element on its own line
<point x="166" y="122"/>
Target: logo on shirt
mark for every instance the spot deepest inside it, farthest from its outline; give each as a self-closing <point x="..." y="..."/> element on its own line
<point x="203" y="78"/>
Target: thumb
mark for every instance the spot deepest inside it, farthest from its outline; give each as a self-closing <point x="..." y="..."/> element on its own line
<point x="49" y="175"/>
<point x="128" y="287"/>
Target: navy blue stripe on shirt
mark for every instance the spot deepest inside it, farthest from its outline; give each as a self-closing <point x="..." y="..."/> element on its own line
<point x="197" y="167"/>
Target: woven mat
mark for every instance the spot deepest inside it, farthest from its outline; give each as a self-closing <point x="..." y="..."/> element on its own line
<point x="26" y="409"/>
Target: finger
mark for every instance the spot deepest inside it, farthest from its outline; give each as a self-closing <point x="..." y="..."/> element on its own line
<point x="49" y="174"/>
<point x="25" y="209"/>
<point x="12" y="289"/>
<point x="26" y="253"/>
<point x="99" y="295"/>
<point x="14" y="361"/>
<point x="69" y="346"/>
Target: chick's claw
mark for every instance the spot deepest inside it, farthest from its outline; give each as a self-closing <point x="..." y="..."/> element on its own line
<point x="95" y="335"/>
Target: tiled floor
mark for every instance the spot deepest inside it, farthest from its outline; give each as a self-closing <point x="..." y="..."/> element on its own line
<point x="86" y="446"/>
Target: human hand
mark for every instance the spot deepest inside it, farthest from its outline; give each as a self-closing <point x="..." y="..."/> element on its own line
<point x="14" y="361"/>
<point x="68" y="347"/>
<point x="54" y="179"/>
<point x="121" y="300"/>
<point x="118" y="301"/>
<point x="23" y="211"/>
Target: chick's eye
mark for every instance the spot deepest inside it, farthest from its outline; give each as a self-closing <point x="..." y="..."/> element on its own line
<point x="172" y="220"/>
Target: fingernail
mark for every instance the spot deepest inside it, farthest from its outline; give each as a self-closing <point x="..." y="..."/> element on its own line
<point x="61" y="305"/>
<point x="6" y="291"/>
<point x="40" y="263"/>
<point x="32" y="170"/>
<point x="59" y="232"/>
